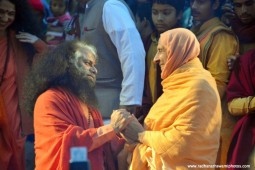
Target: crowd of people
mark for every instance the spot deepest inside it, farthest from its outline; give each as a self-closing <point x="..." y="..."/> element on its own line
<point x="142" y="84"/>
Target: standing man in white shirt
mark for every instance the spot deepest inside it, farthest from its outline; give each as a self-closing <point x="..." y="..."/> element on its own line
<point x="109" y="26"/>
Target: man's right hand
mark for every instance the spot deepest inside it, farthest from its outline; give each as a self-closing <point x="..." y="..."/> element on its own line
<point x="231" y="61"/>
<point x="228" y="13"/>
<point x="120" y="119"/>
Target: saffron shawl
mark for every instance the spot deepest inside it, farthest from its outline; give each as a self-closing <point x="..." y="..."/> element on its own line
<point x="183" y="126"/>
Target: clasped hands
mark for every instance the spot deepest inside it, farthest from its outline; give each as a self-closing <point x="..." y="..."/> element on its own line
<point x="126" y="125"/>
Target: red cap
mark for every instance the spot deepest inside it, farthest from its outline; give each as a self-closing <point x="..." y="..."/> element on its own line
<point x="37" y="5"/>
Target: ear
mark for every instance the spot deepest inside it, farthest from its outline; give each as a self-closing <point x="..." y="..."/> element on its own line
<point x="216" y="5"/>
<point x="144" y="22"/>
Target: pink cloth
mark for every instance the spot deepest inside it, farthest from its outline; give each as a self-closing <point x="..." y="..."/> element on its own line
<point x="180" y="40"/>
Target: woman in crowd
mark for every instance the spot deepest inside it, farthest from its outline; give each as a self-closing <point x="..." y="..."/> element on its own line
<point x="18" y="46"/>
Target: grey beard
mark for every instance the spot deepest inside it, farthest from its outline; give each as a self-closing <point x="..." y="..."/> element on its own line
<point x="84" y="90"/>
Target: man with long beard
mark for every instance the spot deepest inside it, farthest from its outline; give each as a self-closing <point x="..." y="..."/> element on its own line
<point x="61" y="95"/>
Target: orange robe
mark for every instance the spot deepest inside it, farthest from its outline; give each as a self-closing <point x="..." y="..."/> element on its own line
<point x="183" y="126"/>
<point x="60" y="122"/>
<point x="11" y="93"/>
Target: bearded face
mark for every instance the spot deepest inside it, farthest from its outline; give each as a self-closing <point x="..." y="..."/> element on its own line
<point x="82" y="74"/>
<point x="85" y="61"/>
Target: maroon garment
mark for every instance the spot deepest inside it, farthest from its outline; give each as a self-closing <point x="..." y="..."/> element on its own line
<point x="244" y="32"/>
<point x="243" y="141"/>
<point x="242" y="80"/>
<point x="242" y="84"/>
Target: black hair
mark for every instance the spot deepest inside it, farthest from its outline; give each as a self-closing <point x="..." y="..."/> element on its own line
<point x="218" y="11"/>
<point x="57" y="68"/>
<point x="143" y="10"/>
<point x="177" y="4"/>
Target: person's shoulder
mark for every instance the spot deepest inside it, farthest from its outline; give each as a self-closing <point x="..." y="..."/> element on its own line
<point x="114" y="3"/>
<point x="225" y="35"/>
<point x="222" y="29"/>
<point x="201" y="77"/>
<point x="53" y="94"/>
<point x="248" y="56"/>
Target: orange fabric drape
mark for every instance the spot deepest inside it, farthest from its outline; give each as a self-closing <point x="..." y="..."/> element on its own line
<point x="8" y="147"/>
<point x="11" y="142"/>
<point x="60" y="123"/>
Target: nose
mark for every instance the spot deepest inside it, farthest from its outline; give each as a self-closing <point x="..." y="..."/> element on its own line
<point x="93" y="69"/>
<point x="193" y="5"/>
<point x="156" y="59"/>
<point x="244" y="9"/>
<point x="160" y="16"/>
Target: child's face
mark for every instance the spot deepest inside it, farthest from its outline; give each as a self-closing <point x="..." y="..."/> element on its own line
<point x="58" y="7"/>
<point x="164" y="17"/>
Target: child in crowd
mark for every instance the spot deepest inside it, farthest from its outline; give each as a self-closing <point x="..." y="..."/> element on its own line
<point x="41" y="11"/>
<point x="56" y="24"/>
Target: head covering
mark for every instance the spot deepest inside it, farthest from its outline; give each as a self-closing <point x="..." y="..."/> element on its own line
<point x="181" y="46"/>
<point x="37" y="5"/>
<point x="41" y="6"/>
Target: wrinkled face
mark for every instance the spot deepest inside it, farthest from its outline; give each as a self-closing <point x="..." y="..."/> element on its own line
<point x="86" y="62"/>
<point x="58" y="7"/>
<point x="245" y="10"/>
<point x="202" y="10"/>
<point x="161" y="56"/>
<point x="164" y="17"/>
<point x="7" y="14"/>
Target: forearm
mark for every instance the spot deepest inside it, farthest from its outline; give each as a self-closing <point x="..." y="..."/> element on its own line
<point x="40" y="46"/>
<point x="241" y="106"/>
<point x="103" y="134"/>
